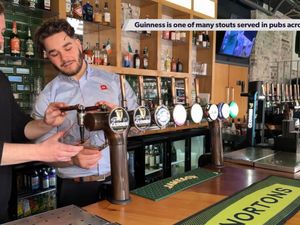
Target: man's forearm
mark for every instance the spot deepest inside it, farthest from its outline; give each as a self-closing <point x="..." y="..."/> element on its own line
<point x="36" y="128"/>
<point x="14" y="153"/>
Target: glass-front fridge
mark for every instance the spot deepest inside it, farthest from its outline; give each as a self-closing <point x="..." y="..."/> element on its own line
<point x="154" y="162"/>
<point x="178" y="157"/>
<point x="198" y="148"/>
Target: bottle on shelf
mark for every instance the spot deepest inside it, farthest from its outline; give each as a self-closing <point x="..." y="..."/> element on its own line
<point x="172" y="35"/>
<point x="177" y="35"/>
<point x="151" y="157"/>
<point x="32" y="4"/>
<point x="29" y="53"/>
<point x="106" y="15"/>
<point x="87" y="11"/>
<point x="88" y="54"/>
<point x="97" y="13"/>
<point x="145" y="58"/>
<point x="15" y="42"/>
<point x="77" y="9"/>
<point x="127" y="56"/>
<point x="52" y="177"/>
<point x="97" y="58"/>
<point x="168" y="62"/>
<point x="103" y="55"/>
<point x="34" y="181"/>
<point x="173" y="65"/>
<point x="157" y="157"/>
<point x="147" y="32"/>
<point x="183" y="36"/>
<point x="45" y="179"/>
<point x="108" y="47"/>
<point x="147" y="157"/>
<point x="69" y="11"/>
<point x="136" y="60"/>
<point x="179" y="66"/>
<point x="207" y="39"/>
<point x="47" y="4"/>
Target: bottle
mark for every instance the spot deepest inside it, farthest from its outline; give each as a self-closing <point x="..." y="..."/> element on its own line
<point x="97" y="13"/>
<point x="147" y="32"/>
<point x="177" y="35"/>
<point x="32" y="4"/>
<point x="103" y="55"/>
<point x="45" y="179"/>
<point x="52" y="177"/>
<point x="204" y="42"/>
<point x="87" y="11"/>
<point x="47" y="5"/>
<point x="183" y="36"/>
<point x="172" y="35"/>
<point x="35" y="182"/>
<point x="207" y="39"/>
<point x="29" y="45"/>
<point x="88" y="54"/>
<point x="145" y="58"/>
<point x="136" y="60"/>
<point x="106" y="15"/>
<point x="77" y="9"/>
<point x="179" y="66"/>
<point x="157" y="157"/>
<point x="69" y="8"/>
<point x="152" y="157"/>
<point x="168" y="62"/>
<point x="147" y="157"/>
<point x="173" y="154"/>
<point x="97" y="59"/>
<point x="166" y="35"/>
<point x="15" y="42"/>
<point x="173" y="65"/>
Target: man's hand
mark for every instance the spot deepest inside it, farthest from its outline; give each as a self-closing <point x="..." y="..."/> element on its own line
<point x="53" y="116"/>
<point x="87" y="158"/>
<point x="52" y="150"/>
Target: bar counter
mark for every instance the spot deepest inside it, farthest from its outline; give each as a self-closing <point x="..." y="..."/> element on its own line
<point x="173" y="209"/>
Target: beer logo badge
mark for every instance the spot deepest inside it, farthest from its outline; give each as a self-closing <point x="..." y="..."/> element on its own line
<point x="162" y="116"/>
<point x="142" y="118"/>
<point x="196" y="113"/>
<point x="118" y="120"/>
<point x="179" y="115"/>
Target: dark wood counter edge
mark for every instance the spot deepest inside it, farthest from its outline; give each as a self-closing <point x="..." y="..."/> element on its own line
<point x="134" y="132"/>
<point x="167" y="211"/>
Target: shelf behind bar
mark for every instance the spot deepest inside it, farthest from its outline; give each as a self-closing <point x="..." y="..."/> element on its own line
<point x="143" y="72"/>
<point x="30" y="195"/>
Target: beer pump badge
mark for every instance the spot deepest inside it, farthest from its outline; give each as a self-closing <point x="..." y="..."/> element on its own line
<point x="179" y="115"/>
<point x="234" y="110"/>
<point x="162" y="116"/>
<point x="196" y="113"/>
<point x="212" y="112"/>
<point x="224" y="110"/>
<point x="142" y="118"/>
<point x="118" y="120"/>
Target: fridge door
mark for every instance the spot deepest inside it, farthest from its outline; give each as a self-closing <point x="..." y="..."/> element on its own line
<point x="198" y="144"/>
<point x="154" y="161"/>
<point x="178" y="157"/>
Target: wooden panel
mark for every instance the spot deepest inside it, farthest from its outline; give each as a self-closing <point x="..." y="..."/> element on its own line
<point x="220" y="83"/>
<point x="237" y="73"/>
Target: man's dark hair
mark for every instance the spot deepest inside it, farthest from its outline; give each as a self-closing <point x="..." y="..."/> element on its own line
<point x="50" y="27"/>
<point x="1" y="8"/>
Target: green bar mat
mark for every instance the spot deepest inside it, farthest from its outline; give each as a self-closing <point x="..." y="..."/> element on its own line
<point x="166" y="187"/>
<point x="271" y="201"/>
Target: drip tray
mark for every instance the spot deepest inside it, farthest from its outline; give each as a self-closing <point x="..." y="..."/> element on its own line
<point x="70" y="215"/>
<point x="248" y="156"/>
<point x="281" y="161"/>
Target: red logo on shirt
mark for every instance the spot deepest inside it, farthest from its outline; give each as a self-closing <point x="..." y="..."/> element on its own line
<point x="103" y="87"/>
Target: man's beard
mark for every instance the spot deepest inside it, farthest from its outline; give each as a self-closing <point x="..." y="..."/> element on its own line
<point x="79" y="63"/>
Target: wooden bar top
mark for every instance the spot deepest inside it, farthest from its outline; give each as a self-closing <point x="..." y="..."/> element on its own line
<point x="185" y="203"/>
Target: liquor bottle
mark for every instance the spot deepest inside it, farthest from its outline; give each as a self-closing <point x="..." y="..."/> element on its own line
<point x="157" y="157"/>
<point x="168" y="62"/>
<point x="172" y="35"/>
<point x="15" y="42"/>
<point x="166" y="35"/>
<point x="179" y="66"/>
<point x="87" y="11"/>
<point x="69" y="8"/>
<point x="29" y="45"/>
<point x="77" y="9"/>
<point x="151" y="157"/>
<point x="136" y="60"/>
<point x="52" y="177"/>
<point x="207" y="39"/>
<point x="183" y="36"/>
<point x="173" y="65"/>
<point x="88" y="54"/>
<point x="34" y="180"/>
<point x="97" y="58"/>
<point x="147" y="156"/>
<point x="103" y="55"/>
<point x="45" y="179"/>
<point x="47" y="5"/>
<point x="106" y="15"/>
<point x="32" y="4"/>
<point x="108" y="47"/>
<point x="204" y="42"/>
<point x="97" y="13"/>
<point x="145" y="58"/>
<point x="177" y="35"/>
